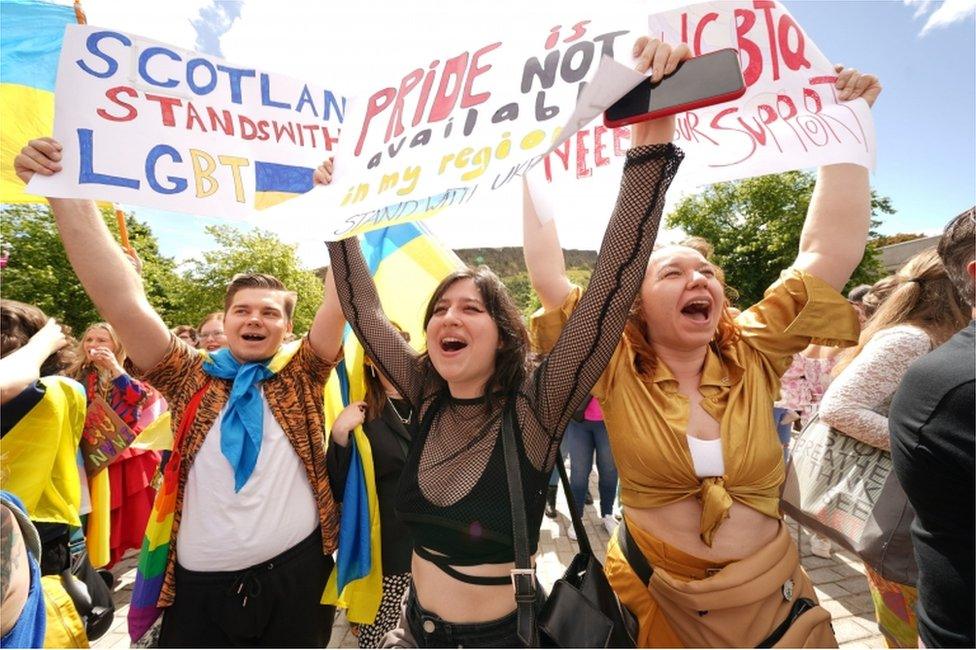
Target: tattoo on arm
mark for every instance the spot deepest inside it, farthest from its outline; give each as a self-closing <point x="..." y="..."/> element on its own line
<point x="9" y="559"/>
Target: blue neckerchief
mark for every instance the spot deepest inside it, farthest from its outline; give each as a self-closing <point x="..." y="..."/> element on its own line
<point x="242" y="426"/>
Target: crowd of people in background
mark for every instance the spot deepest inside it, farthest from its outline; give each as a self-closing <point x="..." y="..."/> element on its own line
<point x="688" y="403"/>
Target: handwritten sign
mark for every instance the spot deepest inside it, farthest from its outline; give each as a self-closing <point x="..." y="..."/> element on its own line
<point x="104" y="437"/>
<point x="463" y="124"/>
<point x="472" y="122"/>
<point x="790" y="116"/>
<point x="145" y="123"/>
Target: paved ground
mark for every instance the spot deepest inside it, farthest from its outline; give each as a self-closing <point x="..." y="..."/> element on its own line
<point x="839" y="582"/>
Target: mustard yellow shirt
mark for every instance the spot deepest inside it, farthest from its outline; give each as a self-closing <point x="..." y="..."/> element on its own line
<point x="647" y="421"/>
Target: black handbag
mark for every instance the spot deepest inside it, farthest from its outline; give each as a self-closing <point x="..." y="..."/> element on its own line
<point x="90" y="591"/>
<point x="582" y="610"/>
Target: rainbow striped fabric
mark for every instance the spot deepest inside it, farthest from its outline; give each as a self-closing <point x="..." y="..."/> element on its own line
<point x="407" y="263"/>
<point x="30" y="44"/>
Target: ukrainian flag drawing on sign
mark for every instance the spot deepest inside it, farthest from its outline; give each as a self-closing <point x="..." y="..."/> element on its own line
<point x="407" y="264"/>
<point x="30" y="44"/>
<point x="274" y="183"/>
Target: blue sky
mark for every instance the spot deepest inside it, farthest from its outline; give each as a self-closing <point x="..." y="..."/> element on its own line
<point x="925" y="119"/>
<point x="926" y="116"/>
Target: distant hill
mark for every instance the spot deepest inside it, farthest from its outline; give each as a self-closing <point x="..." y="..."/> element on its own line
<point x="509" y="266"/>
<point x="508" y="261"/>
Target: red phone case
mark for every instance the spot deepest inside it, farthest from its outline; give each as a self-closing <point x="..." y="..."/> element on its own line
<point x="677" y="108"/>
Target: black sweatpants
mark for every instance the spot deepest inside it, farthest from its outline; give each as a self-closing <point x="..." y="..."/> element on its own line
<point x="272" y="604"/>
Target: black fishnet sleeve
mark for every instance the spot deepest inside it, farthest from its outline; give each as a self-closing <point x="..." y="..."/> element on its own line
<point x="361" y="306"/>
<point x="563" y="380"/>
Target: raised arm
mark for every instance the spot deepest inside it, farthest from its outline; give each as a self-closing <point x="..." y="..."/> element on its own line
<point x="543" y="255"/>
<point x="361" y="305"/>
<point x="98" y="261"/>
<point x="22" y="367"/>
<point x="588" y="340"/>
<point x="836" y="228"/>
<point x="326" y="332"/>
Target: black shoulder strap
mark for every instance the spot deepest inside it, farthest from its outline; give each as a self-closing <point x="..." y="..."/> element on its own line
<point x="523" y="575"/>
<point x="638" y="563"/>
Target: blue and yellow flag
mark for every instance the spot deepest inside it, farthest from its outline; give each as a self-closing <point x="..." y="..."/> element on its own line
<point x="275" y="183"/>
<point x="30" y="44"/>
<point x="407" y="264"/>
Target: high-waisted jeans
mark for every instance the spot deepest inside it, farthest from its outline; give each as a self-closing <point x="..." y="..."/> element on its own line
<point x="581" y="441"/>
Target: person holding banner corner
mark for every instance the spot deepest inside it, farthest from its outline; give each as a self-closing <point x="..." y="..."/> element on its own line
<point x="254" y="522"/>
<point x="473" y="377"/>
<point x="688" y="400"/>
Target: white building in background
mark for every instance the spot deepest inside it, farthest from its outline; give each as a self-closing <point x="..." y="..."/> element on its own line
<point x="895" y="255"/>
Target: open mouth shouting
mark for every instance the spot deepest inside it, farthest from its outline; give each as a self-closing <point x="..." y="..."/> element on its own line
<point x="452" y="344"/>
<point x="253" y="337"/>
<point x="698" y="310"/>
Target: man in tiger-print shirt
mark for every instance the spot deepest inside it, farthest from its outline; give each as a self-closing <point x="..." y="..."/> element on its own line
<point x="255" y="522"/>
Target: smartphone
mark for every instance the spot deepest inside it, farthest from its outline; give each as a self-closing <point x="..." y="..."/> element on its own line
<point x="705" y="80"/>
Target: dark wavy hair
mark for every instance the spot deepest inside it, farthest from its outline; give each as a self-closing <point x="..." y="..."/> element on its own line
<point x="375" y="397"/>
<point x="19" y="322"/>
<point x="957" y="249"/>
<point x="512" y="357"/>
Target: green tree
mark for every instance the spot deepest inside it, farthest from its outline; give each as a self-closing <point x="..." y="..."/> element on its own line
<point x="520" y="289"/>
<point x="755" y="225"/>
<point x="525" y="298"/>
<point x="38" y="271"/>
<point x="256" y="251"/>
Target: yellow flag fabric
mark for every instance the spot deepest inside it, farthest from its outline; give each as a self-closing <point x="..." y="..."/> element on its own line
<point x="360" y="598"/>
<point x="30" y="45"/>
<point x="40" y="454"/>
<point x="65" y="628"/>
<point x="98" y="531"/>
<point x="407" y="264"/>
<point x="158" y="436"/>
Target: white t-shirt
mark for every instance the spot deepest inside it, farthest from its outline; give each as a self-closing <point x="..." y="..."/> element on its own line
<point x="223" y="530"/>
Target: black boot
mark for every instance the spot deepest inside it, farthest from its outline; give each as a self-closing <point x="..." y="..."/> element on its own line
<point x="551" y="501"/>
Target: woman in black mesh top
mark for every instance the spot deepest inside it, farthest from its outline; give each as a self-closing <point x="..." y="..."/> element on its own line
<point x="453" y="491"/>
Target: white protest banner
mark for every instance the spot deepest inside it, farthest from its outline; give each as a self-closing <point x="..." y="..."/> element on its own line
<point x="468" y="123"/>
<point x="790" y="116"/>
<point x="144" y="123"/>
<point x="465" y="123"/>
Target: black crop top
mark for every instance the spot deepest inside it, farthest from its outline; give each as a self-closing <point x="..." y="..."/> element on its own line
<point x="453" y="493"/>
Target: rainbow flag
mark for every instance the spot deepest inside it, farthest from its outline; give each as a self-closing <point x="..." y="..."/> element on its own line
<point x="275" y="183"/>
<point x="30" y="44"/>
<point x="407" y="264"/>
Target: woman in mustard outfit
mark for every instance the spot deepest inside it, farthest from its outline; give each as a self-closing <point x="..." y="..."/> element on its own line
<point x="688" y="400"/>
